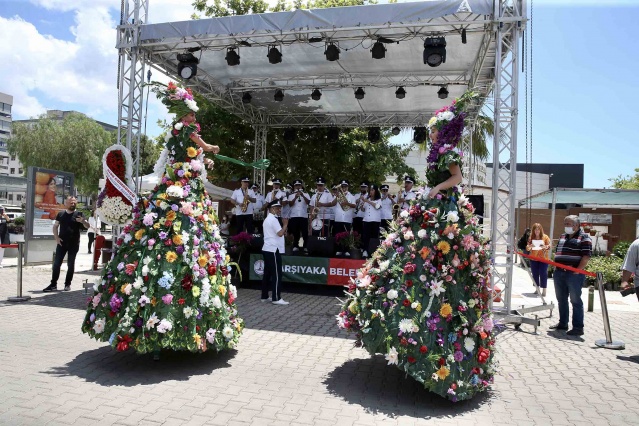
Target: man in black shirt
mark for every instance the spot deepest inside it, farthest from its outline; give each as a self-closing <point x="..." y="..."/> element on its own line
<point x="66" y="231"/>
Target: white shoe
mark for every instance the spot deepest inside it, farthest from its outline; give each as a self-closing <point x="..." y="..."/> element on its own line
<point x="265" y="300"/>
<point x="347" y="254"/>
<point x="365" y="254"/>
<point x="339" y="253"/>
<point x="280" y="302"/>
<point x="295" y="249"/>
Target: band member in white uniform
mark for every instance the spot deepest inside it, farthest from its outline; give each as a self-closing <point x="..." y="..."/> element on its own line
<point x="259" y="198"/>
<point x="275" y="194"/>
<point x="272" y="253"/>
<point x="298" y="203"/>
<point x="243" y="199"/>
<point x="258" y="213"/>
<point x="286" y="207"/>
<point x="358" y="219"/>
<point x="407" y="194"/>
<point x="387" y="207"/>
<point x="372" y="207"/>
<point x="344" y="209"/>
<point x="322" y="200"/>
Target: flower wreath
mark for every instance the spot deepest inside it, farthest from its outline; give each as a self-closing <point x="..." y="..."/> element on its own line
<point x="115" y="203"/>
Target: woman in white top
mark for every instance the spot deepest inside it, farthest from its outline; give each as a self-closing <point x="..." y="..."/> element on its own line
<point x="372" y="207"/>
<point x="272" y="253"/>
<point x="224" y="226"/>
<point x="94" y="228"/>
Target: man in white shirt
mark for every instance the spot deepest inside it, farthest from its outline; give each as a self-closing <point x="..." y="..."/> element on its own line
<point x="387" y="207"/>
<point x="244" y="196"/>
<point x="298" y="203"/>
<point x="258" y="214"/>
<point x="407" y="194"/>
<point x="275" y="194"/>
<point x="94" y="228"/>
<point x="344" y="211"/>
<point x="358" y="219"/>
<point x="323" y="201"/>
<point x="259" y="198"/>
<point x="272" y="252"/>
<point x="286" y="207"/>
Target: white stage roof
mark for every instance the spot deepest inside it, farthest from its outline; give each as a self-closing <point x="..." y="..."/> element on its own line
<point x="304" y="66"/>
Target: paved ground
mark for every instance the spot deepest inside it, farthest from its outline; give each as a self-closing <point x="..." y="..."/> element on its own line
<point x="293" y="366"/>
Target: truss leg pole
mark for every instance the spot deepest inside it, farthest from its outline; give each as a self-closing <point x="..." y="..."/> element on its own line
<point x="259" y="176"/>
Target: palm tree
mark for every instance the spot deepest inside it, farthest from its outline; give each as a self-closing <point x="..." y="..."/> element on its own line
<point x="484" y="128"/>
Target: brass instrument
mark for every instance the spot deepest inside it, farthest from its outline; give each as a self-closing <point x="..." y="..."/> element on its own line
<point x="396" y="209"/>
<point x="245" y="201"/>
<point x="342" y="200"/>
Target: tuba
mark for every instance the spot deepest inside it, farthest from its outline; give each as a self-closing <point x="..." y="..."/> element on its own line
<point x="245" y="201"/>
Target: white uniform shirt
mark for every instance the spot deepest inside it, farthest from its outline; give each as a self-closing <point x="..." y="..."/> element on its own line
<point x="94" y="225"/>
<point x="324" y="197"/>
<point x="373" y="213"/>
<point x="387" y="207"/>
<point x="238" y="197"/>
<point x="345" y="216"/>
<point x="272" y="242"/>
<point x="259" y="201"/>
<point x="360" y="213"/>
<point x="300" y="206"/>
<point x="410" y="195"/>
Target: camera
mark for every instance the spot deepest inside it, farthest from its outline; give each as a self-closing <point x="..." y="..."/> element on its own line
<point x="77" y="214"/>
<point x="628" y="291"/>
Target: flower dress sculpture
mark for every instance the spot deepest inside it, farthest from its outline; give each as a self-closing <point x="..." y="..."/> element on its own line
<point x="167" y="286"/>
<point x="423" y="297"/>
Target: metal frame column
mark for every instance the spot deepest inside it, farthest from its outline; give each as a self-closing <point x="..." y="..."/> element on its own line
<point x="509" y="19"/>
<point x="131" y="77"/>
<point x="259" y="176"/>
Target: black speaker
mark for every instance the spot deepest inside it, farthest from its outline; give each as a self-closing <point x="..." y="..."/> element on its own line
<point x="320" y="246"/>
<point x="257" y="242"/>
<point x="478" y="203"/>
<point x="372" y="245"/>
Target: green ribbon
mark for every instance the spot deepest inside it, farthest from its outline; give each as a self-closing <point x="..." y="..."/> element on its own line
<point x="259" y="164"/>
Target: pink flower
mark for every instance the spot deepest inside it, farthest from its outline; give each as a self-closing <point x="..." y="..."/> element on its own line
<point x="187" y="208"/>
<point x="167" y="299"/>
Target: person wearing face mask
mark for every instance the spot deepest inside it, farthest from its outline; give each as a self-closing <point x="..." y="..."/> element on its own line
<point x="573" y="249"/>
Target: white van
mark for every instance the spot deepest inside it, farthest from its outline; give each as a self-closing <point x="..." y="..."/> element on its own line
<point x="13" y="211"/>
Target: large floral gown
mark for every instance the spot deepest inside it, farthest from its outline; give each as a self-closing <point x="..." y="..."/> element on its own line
<point x="167" y="287"/>
<point x="422" y="299"/>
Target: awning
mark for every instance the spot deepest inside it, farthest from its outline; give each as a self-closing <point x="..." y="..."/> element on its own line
<point x="600" y="197"/>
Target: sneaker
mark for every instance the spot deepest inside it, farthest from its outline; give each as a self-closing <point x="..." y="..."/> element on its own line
<point x="265" y="300"/>
<point x="280" y="302"/>
<point x="51" y="287"/>
<point x="576" y="332"/>
<point x="67" y="288"/>
<point x="558" y="326"/>
<point x="347" y="254"/>
<point x="365" y="254"/>
<point x="295" y="249"/>
<point x="339" y="253"/>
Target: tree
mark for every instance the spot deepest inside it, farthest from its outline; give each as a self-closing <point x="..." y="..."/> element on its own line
<point x="73" y="145"/>
<point x="628" y="182"/>
<point x="484" y="129"/>
<point x="149" y="152"/>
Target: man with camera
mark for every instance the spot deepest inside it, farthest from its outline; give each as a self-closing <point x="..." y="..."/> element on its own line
<point x="630" y="267"/>
<point x="66" y="231"/>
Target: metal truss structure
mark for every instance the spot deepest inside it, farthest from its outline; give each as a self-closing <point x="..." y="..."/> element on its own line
<point x="259" y="176"/>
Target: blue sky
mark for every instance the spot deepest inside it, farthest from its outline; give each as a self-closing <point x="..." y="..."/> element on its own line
<point x="585" y="69"/>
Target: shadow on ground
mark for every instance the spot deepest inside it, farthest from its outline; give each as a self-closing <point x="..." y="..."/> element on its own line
<point x="107" y="367"/>
<point x="382" y="389"/>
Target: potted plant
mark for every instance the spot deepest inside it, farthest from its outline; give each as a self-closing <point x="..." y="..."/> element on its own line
<point x="350" y="242"/>
<point x="592" y="232"/>
<point x="606" y="236"/>
<point x="16" y="229"/>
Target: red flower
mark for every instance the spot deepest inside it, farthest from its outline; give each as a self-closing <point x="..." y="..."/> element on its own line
<point x="423" y="349"/>
<point x="411" y="360"/>
<point x="453" y="386"/>
<point x="409" y="268"/>
<point x="181" y="301"/>
<point x="123" y="342"/>
<point x="111" y="314"/>
<point x="442" y="361"/>
<point x="406" y="302"/>
<point x="225" y="271"/>
<point x="409" y="283"/>
<point x="112" y="289"/>
<point x="197" y="328"/>
<point x="403" y="342"/>
<point x="168" y="242"/>
<point x="187" y="282"/>
<point x="212" y="269"/>
<point x="482" y="355"/>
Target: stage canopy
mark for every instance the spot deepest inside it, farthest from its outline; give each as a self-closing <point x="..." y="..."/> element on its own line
<point x="600" y="197"/>
<point x="302" y="36"/>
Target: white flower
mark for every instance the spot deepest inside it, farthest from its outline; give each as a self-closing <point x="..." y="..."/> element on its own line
<point x="178" y="126"/>
<point x="98" y="327"/>
<point x="210" y="335"/>
<point x="471" y="303"/>
<point x="191" y="104"/>
<point x="188" y="312"/>
<point x="127" y="289"/>
<point x="138" y="283"/>
<point x="423" y="278"/>
<point x="408" y="235"/>
<point x="145" y="270"/>
<point x="174" y="191"/>
<point x="435" y="377"/>
<point x="151" y="322"/>
<point x="422" y="233"/>
<point x="392" y="294"/>
<point x="403" y="214"/>
<point x="414" y="305"/>
<point x="233" y="291"/>
<point x="227" y="333"/>
<point x="391" y="356"/>
<point x="436" y="288"/>
<point x="407" y="326"/>
<point x="143" y="300"/>
<point x="469" y="344"/>
<point x="164" y="326"/>
<point x="463" y="200"/>
<point x="217" y="303"/>
<point x="452" y="216"/>
<point x="384" y="265"/>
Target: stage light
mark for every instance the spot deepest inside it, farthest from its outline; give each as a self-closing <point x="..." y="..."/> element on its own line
<point x="316" y="95"/>
<point x="331" y="52"/>
<point x="396" y="130"/>
<point x="279" y="96"/>
<point x="435" y="51"/>
<point x="290" y="134"/>
<point x="332" y="134"/>
<point x="232" y="57"/>
<point x="187" y="65"/>
<point x="374" y="134"/>
<point x="419" y="134"/>
<point x="442" y="93"/>
<point x="246" y="98"/>
<point x="315" y="39"/>
<point x="359" y="93"/>
<point x="245" y="43"/>
<point x="378" y="51"/>
<point x="400" y="93"/>
<point x="464" y="36"/>
<point x="274" y="55"/>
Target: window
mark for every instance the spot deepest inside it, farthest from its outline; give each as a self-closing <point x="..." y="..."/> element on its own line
<point x="19" y="197"/>
<point x="10" y="197"/>
<point x="13" y="158"/>
<point x="20" y="171"/>
<point x="13" y="170"/>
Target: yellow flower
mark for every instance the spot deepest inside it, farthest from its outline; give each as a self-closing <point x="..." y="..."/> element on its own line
<point x="156" y="225"/>
<point x="191" y="152"/>
<point x="154" y="301"/>
<point x="177" y="165"/>
<point x="222" y="290"/>
<point x="157" y="203"/>
<point x="227" y="258"/>
<point x="424" y="253"/>
<point x="170" y="215"/>
<point x="432" y="121"/>
<point x="178" y="183"/>
<point x="139" y="234"/>
<point x="162" y="197"/>
<point x="187" y="175"/>
<point x="445" y="310"/>
<point x="353" y="307"/>
<point x="419" y="307"/>
<point x="202" y="260"/>
<point x="196" y="291"/>
<point x="444" y="247"/>
<point x="443" y="372"/>
<point x="197" y="339"/>
<point x="122" y="287"/>
<point x="170" y="256"/>
<point x="177" y="240"/>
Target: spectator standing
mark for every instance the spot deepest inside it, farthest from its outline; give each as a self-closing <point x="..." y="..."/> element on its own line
<point x="4" y="231"/>
<point x="94" y="228"/>
<point x="538" y="245"/>
<point x="631" y="266"/>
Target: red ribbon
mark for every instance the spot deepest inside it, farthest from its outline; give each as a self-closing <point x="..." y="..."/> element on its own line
<point x="8" y="246"/>
<point x="558" y="265"/>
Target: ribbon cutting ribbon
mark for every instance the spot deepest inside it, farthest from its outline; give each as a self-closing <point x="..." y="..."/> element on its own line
<point x="558" y="265"/>
<point x="262" y="164"/>
<point x="120" y="186"/>
<point x="8" y="246"/>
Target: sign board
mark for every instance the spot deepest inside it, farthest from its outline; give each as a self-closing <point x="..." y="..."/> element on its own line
<point x="596" y="218"/>
<point x="309" y="270"/>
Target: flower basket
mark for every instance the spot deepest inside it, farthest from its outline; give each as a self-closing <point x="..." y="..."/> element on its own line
<point x="115" y="203"/>
<point x="592" y="232"/>
<point x="606" y="236"/>
<point x="348" y="241"/>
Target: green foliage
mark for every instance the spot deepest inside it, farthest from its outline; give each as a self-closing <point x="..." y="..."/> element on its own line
<point x="484" y="129"/>
<point x="19" y="221"/>
<point x="621" y="248"/>
<point x="628" y="182"/>
<point x="73" y="145"/>
<point x="150" y="151"/>
<point x="609" y="266"/>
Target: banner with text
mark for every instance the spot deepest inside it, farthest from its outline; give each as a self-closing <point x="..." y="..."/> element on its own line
<point x="309" y="270"/>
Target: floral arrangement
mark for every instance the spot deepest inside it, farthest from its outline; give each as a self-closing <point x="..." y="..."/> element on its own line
<point x="348" y="240"/>
<point x="115" y="202"/>
<point x="240" y="242"/>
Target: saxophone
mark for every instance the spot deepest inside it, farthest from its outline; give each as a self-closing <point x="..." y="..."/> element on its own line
<point x="341" y="199"/>
<point x="245" y="201"/>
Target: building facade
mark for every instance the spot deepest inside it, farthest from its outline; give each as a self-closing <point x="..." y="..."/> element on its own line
<point x="9" y="165"/>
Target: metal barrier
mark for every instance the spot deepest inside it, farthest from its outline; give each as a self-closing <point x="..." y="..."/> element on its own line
<point x="607" y="343"/>
<point x="20" y="246"/>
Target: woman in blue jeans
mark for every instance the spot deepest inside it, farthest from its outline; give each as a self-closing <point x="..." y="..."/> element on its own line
<point x="538" y="246"/>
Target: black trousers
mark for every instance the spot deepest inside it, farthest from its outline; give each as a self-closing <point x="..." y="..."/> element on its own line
<point x="371" y="230"/>
<point x="245" y="220"/>
<point x="60" y="252"/>
<point x="386" y="224"/>
<point x="298" y="226"/>
<point x="358" y="225"/>
<point x="91" y="239"/>
<point x="341" y="227"/>
<point x="272" y="279"/>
